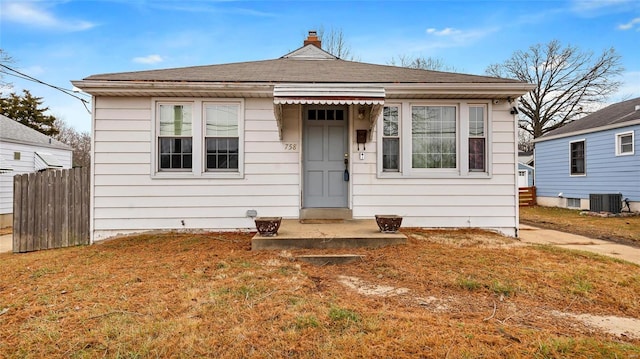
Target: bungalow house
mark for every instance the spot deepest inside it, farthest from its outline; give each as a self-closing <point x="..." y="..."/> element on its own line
<point x="307" y="135"/>
<point x="25" y="150"/>
<point x="592" y="163"/>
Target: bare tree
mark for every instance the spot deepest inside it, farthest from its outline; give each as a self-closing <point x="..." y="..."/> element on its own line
<point x="79" y="141"/>
<point x="569" y="83"/>
<point x="525" y="141"/>
<point x="334" y="43"/>
<point x="421" y="62"/>
<point x="5" y="59"/>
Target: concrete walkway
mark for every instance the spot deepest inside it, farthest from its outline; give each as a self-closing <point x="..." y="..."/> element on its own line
<point x="6" y="243"/>
<point x="534" y="235"/>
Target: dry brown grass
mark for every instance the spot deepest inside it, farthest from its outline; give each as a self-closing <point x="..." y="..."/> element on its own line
<point x="468" y="294"/>
<point x="620" y="229"/>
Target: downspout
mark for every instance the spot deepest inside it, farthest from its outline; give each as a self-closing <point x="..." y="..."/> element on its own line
<point x="515" y="172"/>
<point x="92" y="169"/>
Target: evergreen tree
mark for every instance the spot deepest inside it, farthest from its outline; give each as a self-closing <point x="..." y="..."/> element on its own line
<point x="27" y="110"/>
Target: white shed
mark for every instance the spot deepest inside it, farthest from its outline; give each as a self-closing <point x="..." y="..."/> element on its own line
<point x="25" y="150"/>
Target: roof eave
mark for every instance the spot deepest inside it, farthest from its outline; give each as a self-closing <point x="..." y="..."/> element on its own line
<point x="241" y="89"/>
<point x="589" y="130"/>
<point x="155" y="88"/>
<point x="479" y="90"/>
<point x="59" y="146"/>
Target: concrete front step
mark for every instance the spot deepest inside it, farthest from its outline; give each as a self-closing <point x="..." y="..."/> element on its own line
<point x="340" y="235"/>
<point x="326" y="213"/>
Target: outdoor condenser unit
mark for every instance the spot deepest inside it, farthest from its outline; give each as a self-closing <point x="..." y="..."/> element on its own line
<point x="605" y="202"/>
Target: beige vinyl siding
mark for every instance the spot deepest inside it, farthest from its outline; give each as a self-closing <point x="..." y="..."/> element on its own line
<point x="473" y="200"/>
<point x="127" y="198"/>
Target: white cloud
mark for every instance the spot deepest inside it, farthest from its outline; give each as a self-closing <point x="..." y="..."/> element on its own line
<point x="201" y="7"/>
<point x="150" y="59"/>
<point x="600" y="8"/>
<point x="630" y="24"/>
<point x="31" y="14"/>
<point x="630" y="87"/>
<point x="448" y="31"/>
<point x="452" y="37"/>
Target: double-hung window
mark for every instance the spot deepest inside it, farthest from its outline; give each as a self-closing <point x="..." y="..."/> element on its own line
<point x="477" y="139"/>
<point x="175" y="137"/>
<point x="577" y="152"/>
<point x="390" y="139"/>
<point x="433" y="137"/>
<point x="198" y="138"/>
<point x="221" y="136"/>
<point x="624" y="144"/>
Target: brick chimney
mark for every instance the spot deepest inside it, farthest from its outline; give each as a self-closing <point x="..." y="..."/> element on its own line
<point x="313" y="39"/>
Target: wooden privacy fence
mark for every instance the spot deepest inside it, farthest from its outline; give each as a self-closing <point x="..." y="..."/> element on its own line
<point x="50" y="209"/>
<point x="527" y="196"/>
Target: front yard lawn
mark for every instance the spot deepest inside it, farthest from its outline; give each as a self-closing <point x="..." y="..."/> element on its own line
<point x="620" y="229"/>
<point x="450" y="294"/>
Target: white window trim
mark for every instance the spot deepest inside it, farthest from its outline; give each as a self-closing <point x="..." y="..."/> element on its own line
<point x="380" y="136"/>
<point x="462" y="142"/>
<point x="487" y="145"/>
<point x="198" y="169"/>
<point x="155" y="133"/>
<point x="618" y="144"/>
<point x="584" y="158"/>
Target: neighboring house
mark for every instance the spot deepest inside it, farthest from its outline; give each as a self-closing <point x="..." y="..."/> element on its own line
<point x="597" y="154"/>
<point x="25" y="150"/>
<point x="306" y="135"/>
<point x="525" y="169"/>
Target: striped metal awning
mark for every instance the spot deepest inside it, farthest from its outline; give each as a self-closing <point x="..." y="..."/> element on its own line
<point x="328" y="94"/>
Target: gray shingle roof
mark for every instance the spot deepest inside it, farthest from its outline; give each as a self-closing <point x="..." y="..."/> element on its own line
<point x="14" y="131"/>
<point x="617" y="113"/>
<point x="301" y="69"/>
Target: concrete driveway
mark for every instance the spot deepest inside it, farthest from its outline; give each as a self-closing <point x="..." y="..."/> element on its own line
<point x="534" y="235"/>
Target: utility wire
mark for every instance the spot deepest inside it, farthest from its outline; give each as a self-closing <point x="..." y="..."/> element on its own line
<point x="18" y="74"/>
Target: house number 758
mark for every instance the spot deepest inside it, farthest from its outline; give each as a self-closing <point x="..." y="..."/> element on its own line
<point x="290" y="146"/>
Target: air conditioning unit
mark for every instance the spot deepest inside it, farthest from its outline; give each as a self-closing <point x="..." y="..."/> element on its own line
<point x="605" y="202"/>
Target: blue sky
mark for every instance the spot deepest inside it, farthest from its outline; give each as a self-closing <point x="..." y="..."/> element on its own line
<point x="60" y="41"/>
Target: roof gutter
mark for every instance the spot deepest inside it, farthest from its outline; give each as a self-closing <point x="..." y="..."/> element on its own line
<point x="259" y="89"/>
<point x="495" y="90"/>
<point x="151" y="88"/>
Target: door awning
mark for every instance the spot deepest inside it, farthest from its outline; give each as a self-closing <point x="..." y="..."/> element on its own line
<point x="328" y="94"/>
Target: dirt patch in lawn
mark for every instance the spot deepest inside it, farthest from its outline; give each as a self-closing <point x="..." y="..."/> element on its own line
<point x="443" y="294"/>
<point x="618" y="326"/>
